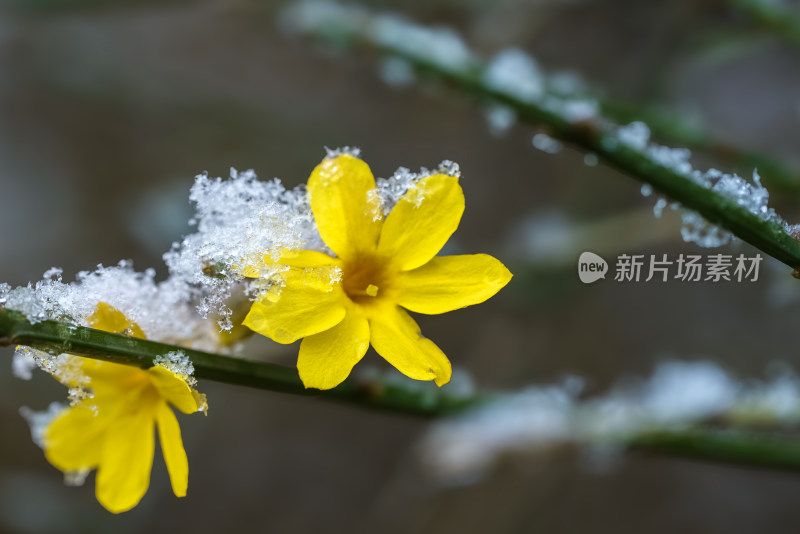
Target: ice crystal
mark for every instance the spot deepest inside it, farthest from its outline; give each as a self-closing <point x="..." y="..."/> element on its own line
<point x="590" y="159"/>
<point x="516" y="74"/>
<point x="39" y="421"/>
<point x="636" y="135"/>
<point x="697" y="230"/>
<point x="239" y="221"/>
<point x="753" y="197"/>
<point x="396" y="72"/>
<point x="339" y="151"/>
<point x="162" y="310"/>
<point x="319" y="16"/>
<point x="23" y="363"/>
<point x="440" y="46"/>
<point x="680" y="391"/>
<point x="336" y="21"/>
<point x="389" y="190"/>
<point x="500" y="119"/>
<point x="241" y="224"/>
<point x="658" y="207"/>
<point x="76" y="478"/>
<point x="65" y="368"/>
<point x="574" y="109"/>
<point x="547" y="144"/>
<point x="179" y="363"/>
<point x="463" y="448"/>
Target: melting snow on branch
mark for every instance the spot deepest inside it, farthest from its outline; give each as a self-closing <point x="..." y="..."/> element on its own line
<point x="538" y="419"/>
<point x="514" y="74"/>
<point x="753" y="197"/>
<point x="239" y="221"/>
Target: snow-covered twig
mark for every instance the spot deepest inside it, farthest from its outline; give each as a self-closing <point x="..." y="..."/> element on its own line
<point x="511" y="82"/>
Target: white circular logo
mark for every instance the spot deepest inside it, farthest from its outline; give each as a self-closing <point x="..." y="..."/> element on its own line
<point x="591" y="267"/>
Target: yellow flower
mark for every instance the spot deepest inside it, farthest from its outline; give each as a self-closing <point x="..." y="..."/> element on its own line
<point x="340" y="305"/>
<point x="114" y="430"/>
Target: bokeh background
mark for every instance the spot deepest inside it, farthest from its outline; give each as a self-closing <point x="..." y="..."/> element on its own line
<point x="110" y="108"/>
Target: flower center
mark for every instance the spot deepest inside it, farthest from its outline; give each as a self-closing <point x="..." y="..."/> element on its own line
<point x="365" y="280"/>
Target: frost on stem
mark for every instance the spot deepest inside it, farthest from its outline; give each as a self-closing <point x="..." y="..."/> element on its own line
<point x="512" y="72"/>
<point x="335" y="20"/>
<point x="543" y="418"/>
<point x="239" y="222"/>
<point x="441" y="46"/>
<point x="753" y="197"/>
<point x="515" y="73"/>
<point x="340" y="22"/>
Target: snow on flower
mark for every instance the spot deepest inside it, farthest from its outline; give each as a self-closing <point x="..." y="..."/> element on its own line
<point x="341" y="304"/>
<point x="113" y="430"/>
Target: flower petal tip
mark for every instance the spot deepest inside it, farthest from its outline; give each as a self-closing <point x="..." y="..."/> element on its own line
<point x="442" y="381"/>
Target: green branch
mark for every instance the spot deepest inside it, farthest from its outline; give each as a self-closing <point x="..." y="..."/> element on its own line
<point x="743" y="448"/>
<point x="670" y="128"/>
<point x="596" y="134"/>
<point x="58" y="338"/>
<point x="413" y="399"/>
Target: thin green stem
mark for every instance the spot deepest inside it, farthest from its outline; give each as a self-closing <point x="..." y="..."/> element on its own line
<point x="57" y="338"/>
<point x="595" y="134"/>
<point x="411" y="399"/>
<point x="743" y="448"/>
<point x="670" y="128"/>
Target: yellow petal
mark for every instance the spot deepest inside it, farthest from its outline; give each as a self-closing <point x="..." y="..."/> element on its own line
<point x="250" y="271"/>
<point x="397" y="338"/>
<point x="73" y="441"/>
<point x="290" y="257"/>
<point x="306" y="258"/>
<point x="174" y="389"/>
<point x="299" y="310"/>
<point x="109" y="375"/>
<point x="169" y="434"/>
<point x="327" y="358"/>
<point x="450" y="282"/>
<point x="124" y="473"/>
<point x="110" y="319"/>
<point x="422" y="221"/>
<point x="346" y="207"/>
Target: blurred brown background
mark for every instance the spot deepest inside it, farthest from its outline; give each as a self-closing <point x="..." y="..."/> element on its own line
<point x="109" y="108"/>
